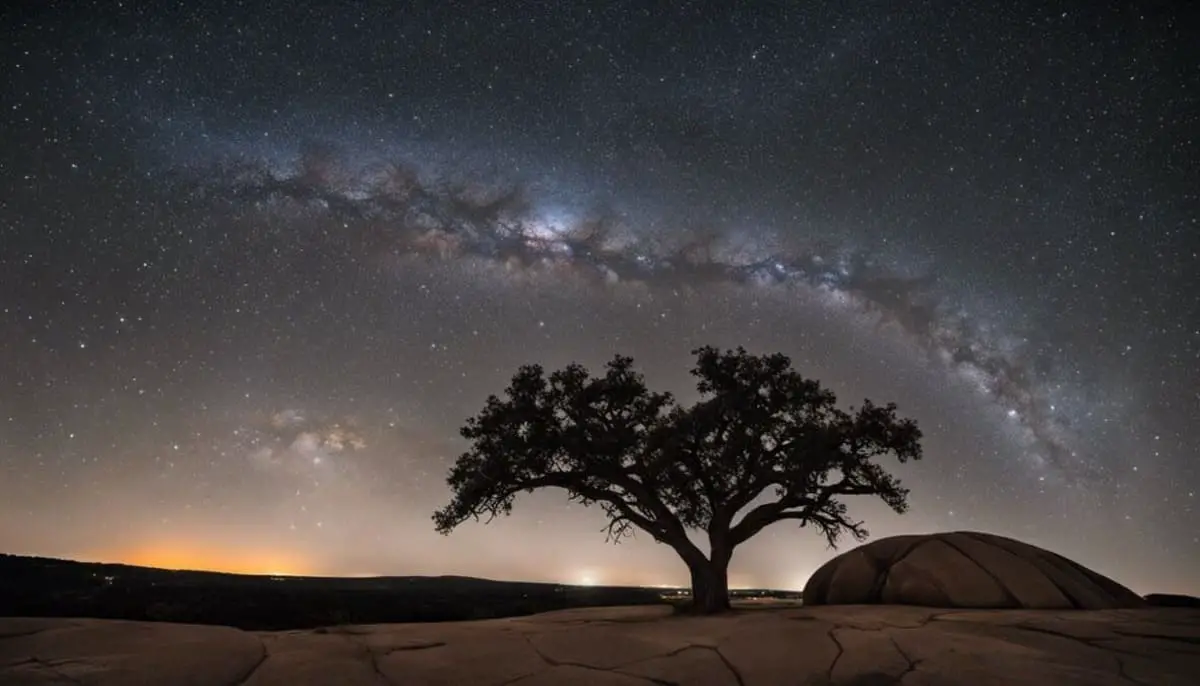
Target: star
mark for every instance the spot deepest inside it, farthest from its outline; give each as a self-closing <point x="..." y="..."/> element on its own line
<point x="256" y="276"/>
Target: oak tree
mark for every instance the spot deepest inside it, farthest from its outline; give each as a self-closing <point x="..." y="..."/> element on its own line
<point x="762" y="444"/>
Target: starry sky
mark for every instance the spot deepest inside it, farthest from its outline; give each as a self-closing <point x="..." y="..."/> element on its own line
<point x="260" y="260"/>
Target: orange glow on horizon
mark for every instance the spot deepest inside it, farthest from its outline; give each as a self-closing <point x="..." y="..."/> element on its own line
<point x="203" y="559"/>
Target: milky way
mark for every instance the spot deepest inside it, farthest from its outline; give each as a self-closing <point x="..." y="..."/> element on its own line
<point x="503" y="222"/>
<point x="260" y="266"/>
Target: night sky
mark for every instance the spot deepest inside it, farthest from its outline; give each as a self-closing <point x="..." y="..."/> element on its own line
<point x="259" y="263"/>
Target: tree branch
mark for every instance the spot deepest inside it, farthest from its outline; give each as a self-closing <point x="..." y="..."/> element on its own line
<point x="768" y="513"/>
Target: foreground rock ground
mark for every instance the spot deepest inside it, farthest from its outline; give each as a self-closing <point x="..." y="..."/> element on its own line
<point x="859" y="645"/>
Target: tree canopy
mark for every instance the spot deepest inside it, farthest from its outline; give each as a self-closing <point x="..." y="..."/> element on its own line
<point x="758" y="429"/>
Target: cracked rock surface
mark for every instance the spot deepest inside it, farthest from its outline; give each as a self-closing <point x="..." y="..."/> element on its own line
<point x="859" y="645"/>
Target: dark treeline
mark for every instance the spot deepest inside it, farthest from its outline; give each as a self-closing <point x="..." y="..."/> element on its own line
<point x="42" y="587"/>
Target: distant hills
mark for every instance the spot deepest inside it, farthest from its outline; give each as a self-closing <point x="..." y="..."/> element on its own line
<point x="49" y="587"/>
<point x="13" y="567"/>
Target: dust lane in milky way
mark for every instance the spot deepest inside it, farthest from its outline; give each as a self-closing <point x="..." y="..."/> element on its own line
<point x="500" y="221"/>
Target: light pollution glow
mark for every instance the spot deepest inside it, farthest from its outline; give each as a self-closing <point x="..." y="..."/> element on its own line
<point x="208" y="558"/>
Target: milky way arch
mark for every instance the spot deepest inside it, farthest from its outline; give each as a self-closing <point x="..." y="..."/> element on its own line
<point x="505" y="223"/>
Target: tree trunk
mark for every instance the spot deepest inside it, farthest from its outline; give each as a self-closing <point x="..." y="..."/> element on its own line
<point x="710" y="586"/>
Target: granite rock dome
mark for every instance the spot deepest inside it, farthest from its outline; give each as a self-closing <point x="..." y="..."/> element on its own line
<point x="964" y="569"/>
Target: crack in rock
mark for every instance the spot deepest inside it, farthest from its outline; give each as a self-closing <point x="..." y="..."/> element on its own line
<point x="1090" y="643"/>
<point x="616" y="670"/>
<point x="728" y="665"/>
<point x="372" y="657"/>
<point x="840" y="651"/>
<point x="1189" y="640"/>
<point x="1121" y="671"/>
<point x="912" y="664"/>
<point x="1051" y="632"/>
<point x="1111" y="651"/>
<point x="630" y="620"/>
<point x="415" y="646"/>
<point x="1096" y="644"/>
<point x="937" y="616"/>
<point x="671" y="653"/>
<point x="559" y="663"/>
<point x="1166" y="616"/>
<point x="48" y="666"/>
<point x="34" y="632"/>
<point x="880" y="624"/>
<point x="255" y="667"/>
<point x="1008" y="594"/>
<point x="889" y="564"/>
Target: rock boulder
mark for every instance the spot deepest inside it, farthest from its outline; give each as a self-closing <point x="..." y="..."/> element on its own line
<point x="1172" y="600"/>
<point x="963" y="569"/>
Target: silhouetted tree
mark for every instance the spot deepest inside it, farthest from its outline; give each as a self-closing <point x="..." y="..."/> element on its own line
<point x="652" y="464"/>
